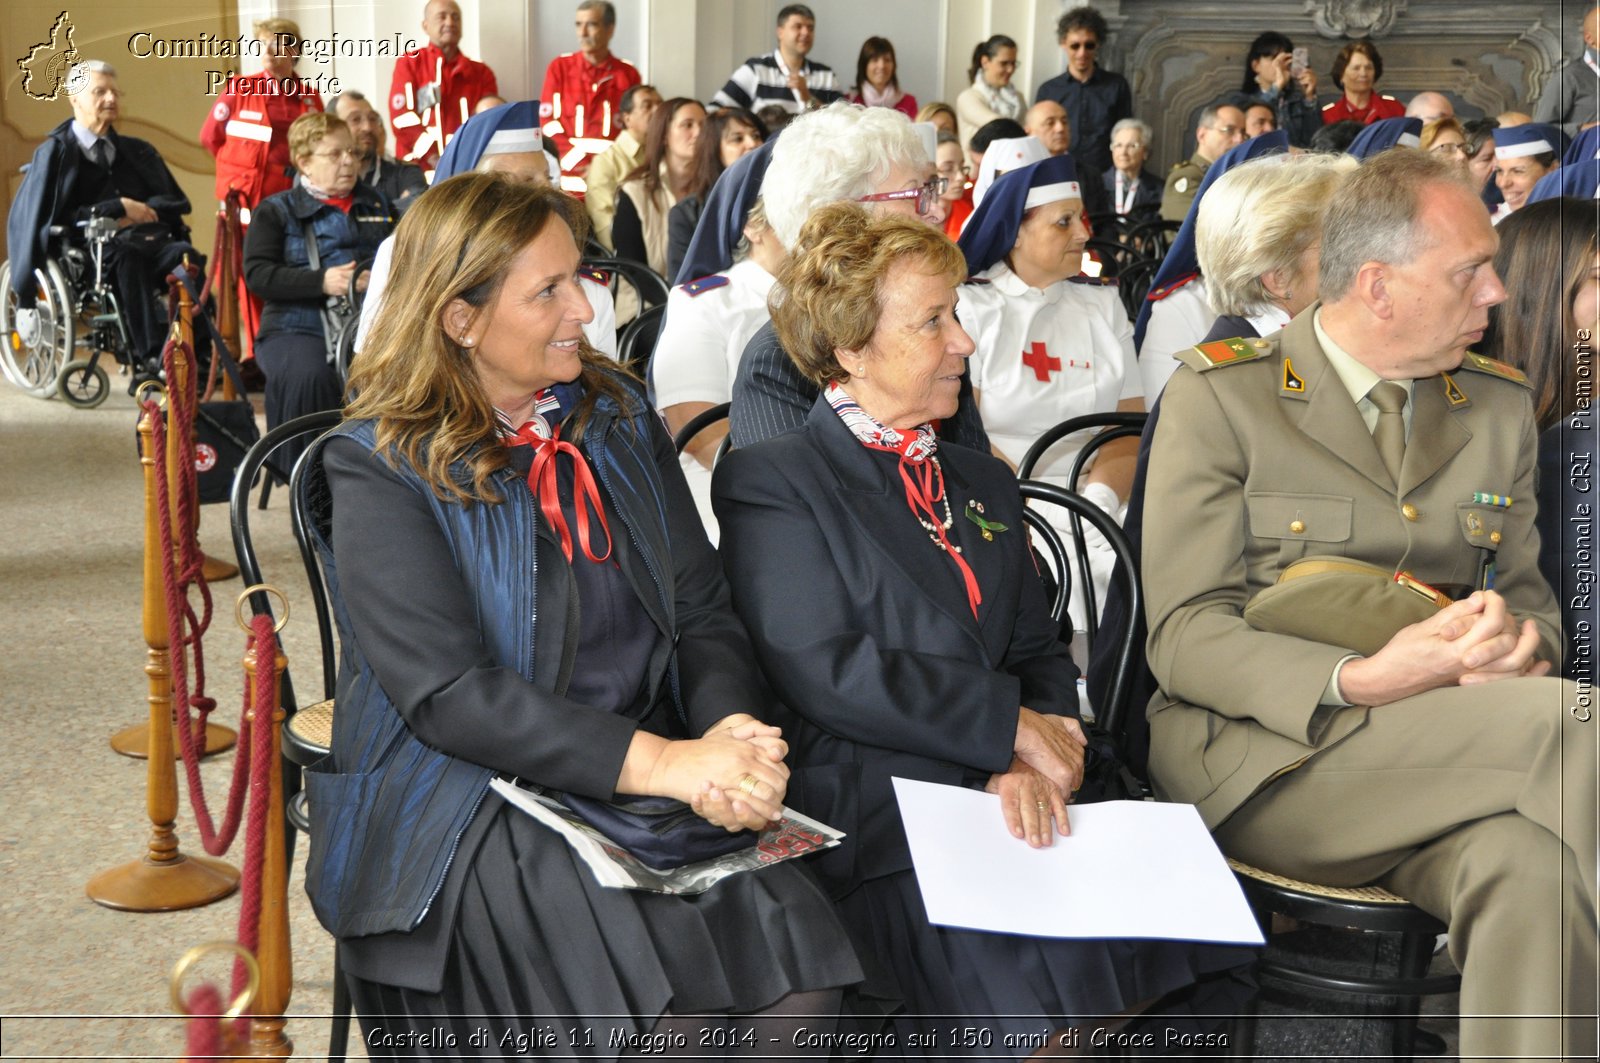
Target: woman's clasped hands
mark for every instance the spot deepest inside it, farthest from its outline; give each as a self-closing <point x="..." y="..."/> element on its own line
<point x="1045" y="772"/>
<point x="740" y="777"/>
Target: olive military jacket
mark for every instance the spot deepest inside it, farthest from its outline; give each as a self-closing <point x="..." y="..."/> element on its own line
<point x="1262" y="459"/>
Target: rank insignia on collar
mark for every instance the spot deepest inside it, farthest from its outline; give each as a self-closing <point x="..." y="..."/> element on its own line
<point x="1494" y="367"/>
<point x="1291" y="380"/>
<point x="704" y="284"/>
<point x="988" y="527"/>
<point x="1453" y="393"/>
<point x="1223" y="352"/>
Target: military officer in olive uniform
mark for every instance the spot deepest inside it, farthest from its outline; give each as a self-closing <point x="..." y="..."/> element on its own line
<point x="1444" y="766"/>
<point x="1221" y="127"/>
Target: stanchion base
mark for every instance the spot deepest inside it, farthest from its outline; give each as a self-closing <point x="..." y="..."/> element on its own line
<point x="135" y="741"/>
<point x="147" y="886"/>
<point x="215" y="568"/>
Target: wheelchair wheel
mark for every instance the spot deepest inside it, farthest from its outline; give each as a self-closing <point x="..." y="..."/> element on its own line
<point x="35" y="344"/>
<point x="84" y="384"/>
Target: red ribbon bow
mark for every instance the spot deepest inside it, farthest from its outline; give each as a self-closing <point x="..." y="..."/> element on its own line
<point x="542" y="482"/>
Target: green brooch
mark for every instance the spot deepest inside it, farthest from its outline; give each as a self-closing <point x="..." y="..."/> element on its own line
<point x="988" y="527"/>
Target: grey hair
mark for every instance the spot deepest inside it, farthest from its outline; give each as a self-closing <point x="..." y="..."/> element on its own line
<point x="332" y="104"/>
<point x="1375" y="216"/>
<point x="1146" y="134"/>
<point x="1258" y="217"/>
<point x="93" y="66"/>
<point x="608" y="11"/>
<point x="834" y="154"/>
<point x="756" y="219"/>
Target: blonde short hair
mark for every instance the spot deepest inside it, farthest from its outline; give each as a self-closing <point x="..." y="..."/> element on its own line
<point x="277" y="27"/>
<point x="1261" y="216"/>
<point x="307" y="131"/>
<point x="829" y="294"/>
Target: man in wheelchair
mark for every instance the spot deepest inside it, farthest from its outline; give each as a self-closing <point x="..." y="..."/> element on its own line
<point x="86" y="170"/>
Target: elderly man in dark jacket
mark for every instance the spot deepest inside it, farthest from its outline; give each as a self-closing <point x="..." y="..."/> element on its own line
<point x="86" y="169"/>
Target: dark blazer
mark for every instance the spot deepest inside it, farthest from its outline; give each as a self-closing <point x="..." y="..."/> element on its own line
<point x="862" y="626"/>
<point x="1146" y="198"/>
<point x="45" y="198"/>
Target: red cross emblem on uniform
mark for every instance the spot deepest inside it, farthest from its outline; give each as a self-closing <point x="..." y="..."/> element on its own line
<point x="1041" y="362"/>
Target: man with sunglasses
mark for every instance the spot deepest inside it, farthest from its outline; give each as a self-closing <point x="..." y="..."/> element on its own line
<point x="1094" y="98"/>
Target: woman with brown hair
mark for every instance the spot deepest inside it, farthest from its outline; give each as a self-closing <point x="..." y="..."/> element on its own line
<point x="639" y="229"/>
<point x="524" y="591"/>
<point x="1549" y="326"/>
<point x="878" y="79"/>
<point x="1356" y="71"/>
<point x="726" y="138"/>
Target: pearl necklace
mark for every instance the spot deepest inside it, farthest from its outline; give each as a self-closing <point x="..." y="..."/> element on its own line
<point x="949" y="515"/>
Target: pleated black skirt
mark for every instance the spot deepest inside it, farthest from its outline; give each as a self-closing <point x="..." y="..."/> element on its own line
<point x="542" y="961"/>
<point x="965" y="991"/>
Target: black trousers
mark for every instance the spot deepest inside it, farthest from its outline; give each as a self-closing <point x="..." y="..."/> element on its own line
<point x="299" y="381"/>
<point x="138" y="261"/>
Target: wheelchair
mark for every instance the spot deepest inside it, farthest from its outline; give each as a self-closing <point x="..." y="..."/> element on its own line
<point x="75" y="308"/>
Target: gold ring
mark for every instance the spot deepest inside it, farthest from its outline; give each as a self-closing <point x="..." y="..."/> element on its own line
<point x="262" y="589"/>
<point x="242" y="1001"/>
<point x="1042" y="806"/>
<point x="748" y="783"/>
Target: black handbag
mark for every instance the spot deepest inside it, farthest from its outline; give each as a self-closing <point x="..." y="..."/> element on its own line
<point x="224" y="430"/>
<point x="659" y="832"/>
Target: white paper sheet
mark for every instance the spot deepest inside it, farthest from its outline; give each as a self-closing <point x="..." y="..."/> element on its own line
<point x="1130" y="869"/>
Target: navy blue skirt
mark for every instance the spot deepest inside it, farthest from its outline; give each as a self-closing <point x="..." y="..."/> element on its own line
<point x="538" y="948"/>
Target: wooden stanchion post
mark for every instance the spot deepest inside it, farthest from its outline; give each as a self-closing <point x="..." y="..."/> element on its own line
<point x="134" y="741"/>
<point x="267" y="1036"/>
<point x="164" y="879"/>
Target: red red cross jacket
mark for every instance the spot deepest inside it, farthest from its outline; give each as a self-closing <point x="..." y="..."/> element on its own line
<point x="248" y="131"/>
<point x="429" y="99"/>
<point x="580" y="109"/>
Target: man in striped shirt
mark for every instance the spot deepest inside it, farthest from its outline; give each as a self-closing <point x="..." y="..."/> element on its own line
<point x="786" y="77"/>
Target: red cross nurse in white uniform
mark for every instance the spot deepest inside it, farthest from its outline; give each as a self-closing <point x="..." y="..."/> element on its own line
<point x="1052" y="344"/>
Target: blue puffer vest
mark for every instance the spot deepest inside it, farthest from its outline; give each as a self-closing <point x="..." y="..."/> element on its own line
<point x="341" y="238"/>
<point x="387" y="811"/>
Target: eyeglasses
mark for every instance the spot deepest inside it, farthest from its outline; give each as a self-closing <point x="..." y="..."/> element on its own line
<point x="343" y="153"/>
<point x="1449" y="149"/>
<point x="1083" y="46"/>
<point x="1227" y="130"/>
<point x="926" y="195"/>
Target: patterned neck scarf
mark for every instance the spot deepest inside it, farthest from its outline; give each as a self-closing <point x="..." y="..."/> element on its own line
<point x="920" y="474"/>
<point x="545" y="439"/>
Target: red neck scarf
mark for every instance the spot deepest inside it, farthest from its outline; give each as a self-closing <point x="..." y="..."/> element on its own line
<point x="547" y="445"/>
<point x="920" y="474"/>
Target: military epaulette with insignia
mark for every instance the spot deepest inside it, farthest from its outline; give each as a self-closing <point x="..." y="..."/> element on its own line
<point x="1203" y="357"/>
<point x="599" y="276"/>
<point x="1158" y="294"/>
<point x="1482" y="364"/>
<point x="701" y="285"/>
<point x="1098" y="282"/>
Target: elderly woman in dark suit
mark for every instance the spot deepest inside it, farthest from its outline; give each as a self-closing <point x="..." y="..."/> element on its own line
<point x="885" y="580"/>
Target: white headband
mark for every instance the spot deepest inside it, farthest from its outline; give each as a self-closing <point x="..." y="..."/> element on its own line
<point x="1039" y="195"/>
<point x="512" y="141"/>
<point x="1517" y="151"/>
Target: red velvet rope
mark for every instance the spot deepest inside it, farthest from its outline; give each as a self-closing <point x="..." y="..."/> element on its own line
<point x="265" y="643"/>
<point x="204" y="1037"/>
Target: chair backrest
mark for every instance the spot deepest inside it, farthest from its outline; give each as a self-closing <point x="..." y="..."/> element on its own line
<point x="1120" y="425"/>
<point x="1133" y="284"/>
<point x="638" y="343"/>
<point x="1154" y="237"/>
<point x="1112" y="715"/>
<point x="651" y="286"/>
<point x="699" y="423"/>
<point x="304" y="429"/>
